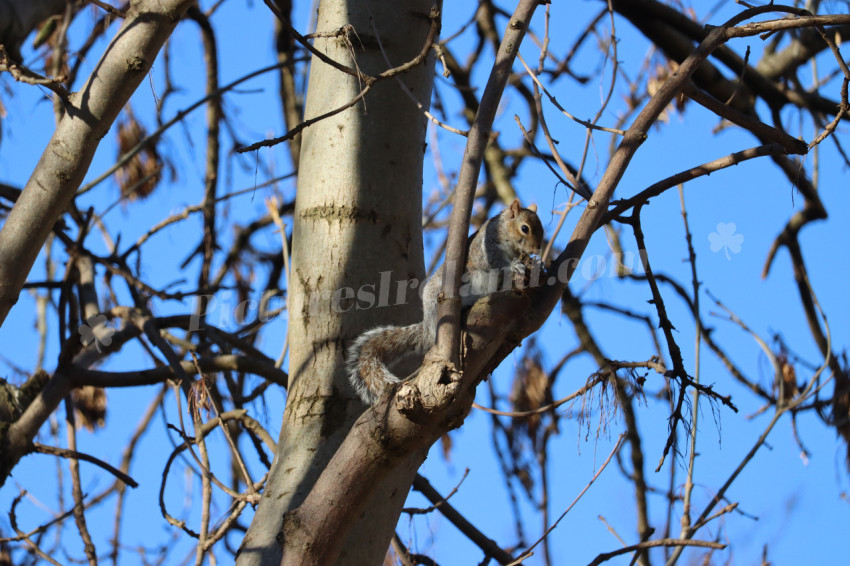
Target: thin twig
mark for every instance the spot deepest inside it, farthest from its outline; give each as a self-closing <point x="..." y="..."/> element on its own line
<point x="108" y="8"/>
<point x="305" y="124"/>
<point x="604" y="557"/>
<point x="124" y="159"/>
<point x="66" y="453"/>
<point x="38" y="530"/>
<point x="24" y="75"/>
<point x="76" y="486"/>
<point x="809" y="390"/>
<point x="556" y="104"/>
<point x="546" y="408"/>
<point x="692" y="448"/>
<point x="528" y="552"/>
<point x="409" y="92"/>
<point x="489" y="546"/>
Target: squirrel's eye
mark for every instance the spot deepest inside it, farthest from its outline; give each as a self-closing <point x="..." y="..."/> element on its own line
<point x="525" y="229"/>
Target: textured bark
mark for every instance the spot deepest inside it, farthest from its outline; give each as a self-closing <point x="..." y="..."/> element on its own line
<point x="395" y="434"/>
<point x="358" y="215"/>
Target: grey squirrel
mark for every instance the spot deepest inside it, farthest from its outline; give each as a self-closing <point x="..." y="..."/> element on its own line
<point x="499" y="249"/>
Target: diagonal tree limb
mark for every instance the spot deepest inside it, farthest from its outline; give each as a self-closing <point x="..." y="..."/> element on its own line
<point x="88" y="116"/>
<point x="448" y="310"/>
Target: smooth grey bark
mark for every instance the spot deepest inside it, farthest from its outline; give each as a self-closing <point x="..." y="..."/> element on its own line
<point x="357" y="231"/>
<point x="89" y="114"/>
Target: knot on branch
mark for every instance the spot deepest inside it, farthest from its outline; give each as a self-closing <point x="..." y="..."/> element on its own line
<point x="434" y="393"/>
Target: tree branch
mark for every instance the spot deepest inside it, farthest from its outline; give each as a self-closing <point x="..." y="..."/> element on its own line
<point x="88" y="116"/>
<point x="448" y="306"/>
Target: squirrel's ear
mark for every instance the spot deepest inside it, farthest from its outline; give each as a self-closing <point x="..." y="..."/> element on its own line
<point x="514" y="207"/>
<point x="532" y="208"/>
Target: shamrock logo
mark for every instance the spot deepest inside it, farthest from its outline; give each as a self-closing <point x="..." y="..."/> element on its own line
<point x="726" y="239"/>
<point x="87" y="334"/>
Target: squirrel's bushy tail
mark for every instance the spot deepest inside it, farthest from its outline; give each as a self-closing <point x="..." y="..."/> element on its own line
<point x="368" y="357"/>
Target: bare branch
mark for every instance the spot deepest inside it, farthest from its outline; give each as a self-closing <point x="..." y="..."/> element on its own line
<point x="66" y="453"/>
<point x="90" y="113"/>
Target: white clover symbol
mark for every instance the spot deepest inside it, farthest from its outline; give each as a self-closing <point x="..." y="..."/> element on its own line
<point x="87" y="335"/>
<point x="726" y="239"/>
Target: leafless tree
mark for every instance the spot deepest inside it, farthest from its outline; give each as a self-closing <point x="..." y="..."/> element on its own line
<point x="347" y="254"/>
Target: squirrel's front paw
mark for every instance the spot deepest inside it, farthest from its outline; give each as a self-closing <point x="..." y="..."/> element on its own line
<point x="526" y="269"/>
<point x="518" y="266"/>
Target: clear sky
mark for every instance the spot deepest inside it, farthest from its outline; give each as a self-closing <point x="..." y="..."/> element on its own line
<point x="794" y="506"/>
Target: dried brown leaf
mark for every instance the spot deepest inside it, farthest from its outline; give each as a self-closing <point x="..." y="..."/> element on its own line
<point x="139" y="177"/>
<point x="90" y="403"/>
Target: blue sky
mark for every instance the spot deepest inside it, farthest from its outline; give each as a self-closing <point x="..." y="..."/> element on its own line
<point x="794" y="507"/>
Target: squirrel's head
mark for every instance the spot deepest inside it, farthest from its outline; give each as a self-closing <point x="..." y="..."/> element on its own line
<point x="525" y="227"/>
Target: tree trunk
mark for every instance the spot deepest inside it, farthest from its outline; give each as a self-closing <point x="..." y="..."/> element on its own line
<point x="357" y="234"/>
